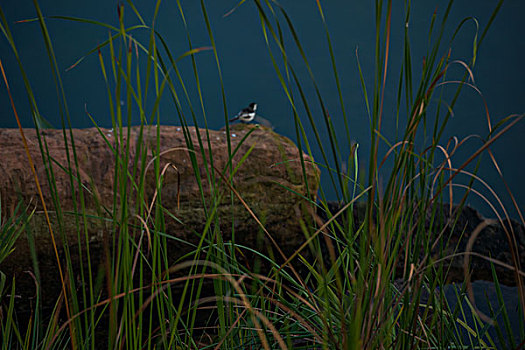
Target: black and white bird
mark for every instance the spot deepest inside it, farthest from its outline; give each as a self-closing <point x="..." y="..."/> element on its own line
<point x="247" y="114"/>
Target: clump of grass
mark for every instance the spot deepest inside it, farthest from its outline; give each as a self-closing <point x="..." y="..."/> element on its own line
<point x="341" y="289"/>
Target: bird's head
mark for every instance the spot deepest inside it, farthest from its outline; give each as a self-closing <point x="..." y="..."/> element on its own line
<point x="253" y="106"/>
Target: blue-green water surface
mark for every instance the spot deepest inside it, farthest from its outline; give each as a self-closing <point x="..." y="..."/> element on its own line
<point x="248" y="73"/>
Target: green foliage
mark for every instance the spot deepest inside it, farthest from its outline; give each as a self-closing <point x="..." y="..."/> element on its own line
<point x="340" y="290"/>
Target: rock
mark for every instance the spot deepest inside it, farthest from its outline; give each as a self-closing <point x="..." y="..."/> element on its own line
<point x="261" y="180"/>
<point x="492" y="241"/>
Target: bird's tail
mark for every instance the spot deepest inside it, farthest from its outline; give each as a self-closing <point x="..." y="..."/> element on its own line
<point x="234" y="119"/>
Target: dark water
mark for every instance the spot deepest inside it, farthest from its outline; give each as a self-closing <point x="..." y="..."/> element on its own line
<point x="249" y="75"/>
<point x="485" y="298"/>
